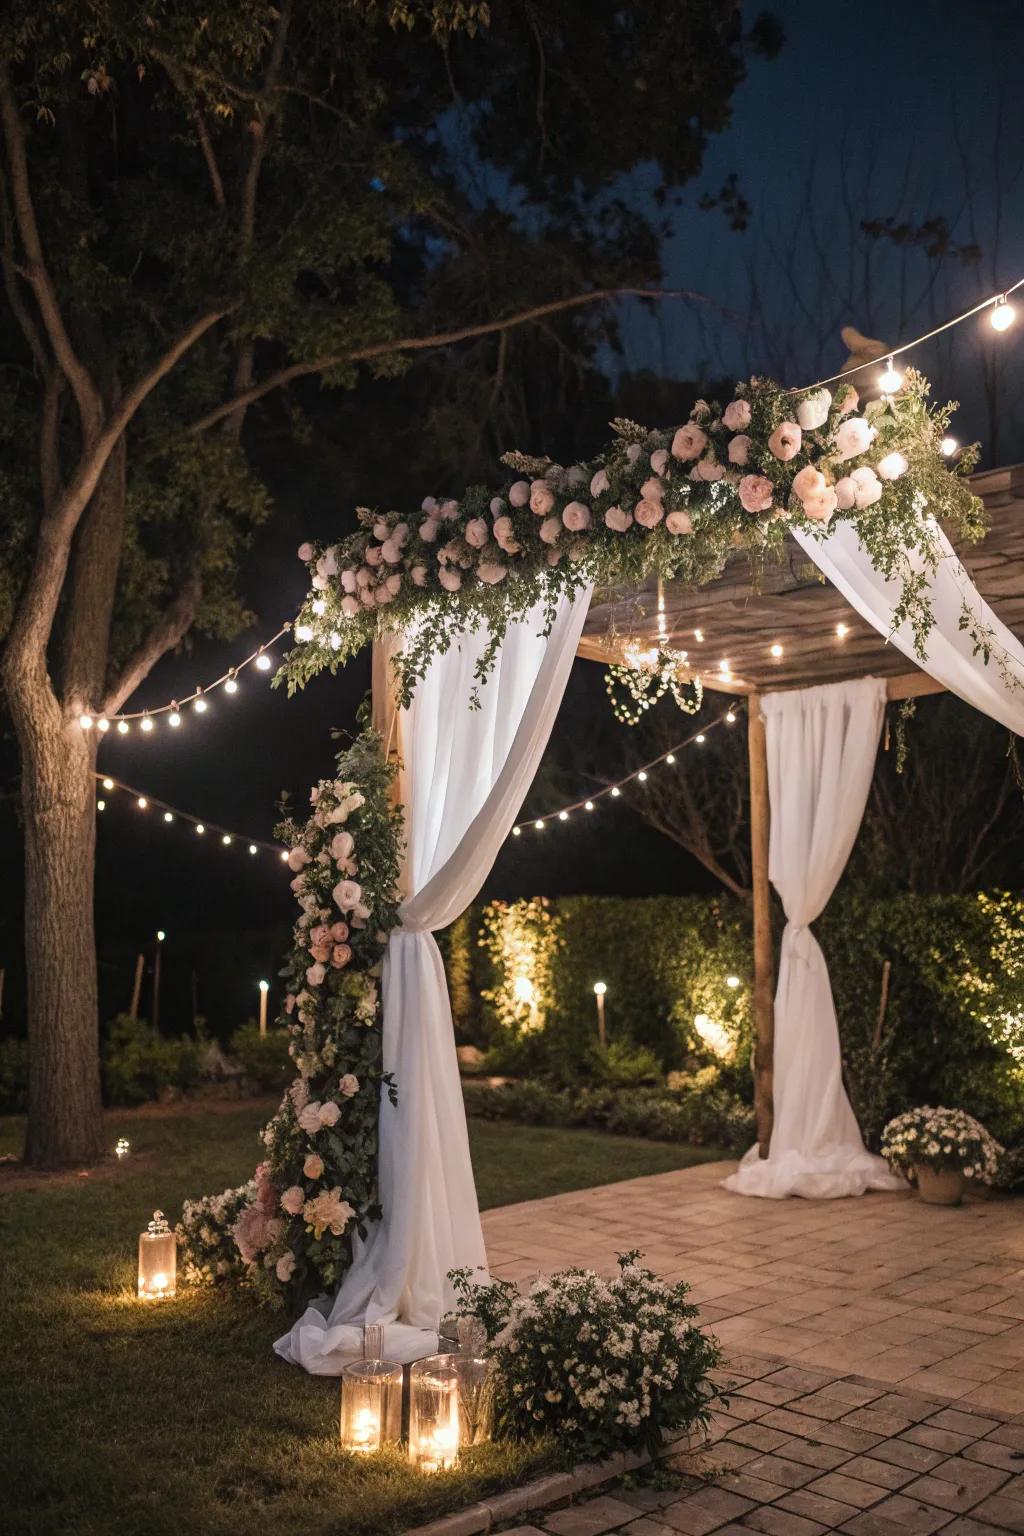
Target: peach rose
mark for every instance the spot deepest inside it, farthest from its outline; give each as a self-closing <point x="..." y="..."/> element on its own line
<point x="707" y="469"/>
<point x="350" y="607"/>
<point x="320" y="952"/>
<point x="339" y="932"/>
<point x="739" y="448"/>
<point x="491" y="572"/>
<point x="736" y="416"/>
<point x="330" y="1114"/>
<point x="600" y="483"/>
<point x="341" y="954"/>
<point x="519" y="493"/>
<point x="785" y="440"/>
<point x="349" y="1085"/>
<point x="756" y="492"/>
<point x="809" y="483"/>
<point x="576" y="516"/>
<point x="429" y="529"/>
<point x="315" y="974"/>
<point x="618" y="520"/>
<point x="679" y="522"/>
<point x="477" y="532"/>
<point x="849" y="401"/>
<point x="293" y="1200"/>
<point x="689" y="442"/>
<point x="312" y="1168"/>
<point x="305" y="552"/>
<point x="820" y="508"/>
<point x="542" y="498"/>
<point x="347" y="895"/>
<point x="846" y="493"/>
<point x="648" y="513"/>
<point x="285" y="1266"/>
<point x="550" y="529"/>
<point x="449" y="579"/>
<point x="659" y="461"/>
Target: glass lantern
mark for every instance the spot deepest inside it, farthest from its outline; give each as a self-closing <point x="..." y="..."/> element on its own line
<point x="434" y="1425"/>
<point x="476" y="1398"/>
<point x="158" y="1260"/>
<point x="371" y="1405"/>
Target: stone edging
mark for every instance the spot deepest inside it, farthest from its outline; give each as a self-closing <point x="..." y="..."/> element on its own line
<point x="545" y="1491"/>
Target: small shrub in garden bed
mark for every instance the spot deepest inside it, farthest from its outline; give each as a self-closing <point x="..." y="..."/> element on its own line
<point x="264" y="1058"/>
<point x="139" y="1063"/>
<point x="607" y="1365"/>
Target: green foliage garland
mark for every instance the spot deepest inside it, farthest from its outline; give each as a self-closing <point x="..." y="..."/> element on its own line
<point x="292" y="1233"/>
<point x="671" y="503"/>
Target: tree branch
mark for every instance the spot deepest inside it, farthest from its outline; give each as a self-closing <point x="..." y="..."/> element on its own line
<point x="169" y="630"/>
<point x="177" y="79"/>
<point x="37" y="272"/>
<point x="439" y="339"/>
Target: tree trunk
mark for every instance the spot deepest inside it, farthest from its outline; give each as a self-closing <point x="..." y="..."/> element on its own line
<point x="65" y="1124"/>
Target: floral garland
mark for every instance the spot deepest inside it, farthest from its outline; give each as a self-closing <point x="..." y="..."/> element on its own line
<point x="288" y="1231"/>
<point x="941" y="1139"/>
<point x="647" y="678"/>
<point x="676" y="503"/>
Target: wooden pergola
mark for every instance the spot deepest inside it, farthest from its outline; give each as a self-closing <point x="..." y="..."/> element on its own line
<point x="785" y="627"/>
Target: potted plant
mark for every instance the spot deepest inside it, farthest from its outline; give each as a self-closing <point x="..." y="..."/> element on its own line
<point x="941" y="1150"/>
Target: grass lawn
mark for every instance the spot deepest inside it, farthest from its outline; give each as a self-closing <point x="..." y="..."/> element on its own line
<point x="119" y="1419"/>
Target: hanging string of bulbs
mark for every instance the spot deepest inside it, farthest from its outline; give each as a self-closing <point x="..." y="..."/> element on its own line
<point x="172" y="814"/>
<point x="638" y="776"/>
<point x="122" y="722"/>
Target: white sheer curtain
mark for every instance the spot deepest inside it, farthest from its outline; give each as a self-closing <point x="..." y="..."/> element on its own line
<point x="464" y="776"/>
<point x="821" y="745"/>
<point x="950" y="659"/>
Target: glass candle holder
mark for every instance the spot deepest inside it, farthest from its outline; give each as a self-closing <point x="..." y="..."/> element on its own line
<point x="158" y="1260"/>
<point x="371" y="1405"/>
<point x="434" y="1422"/>
<point x="476" y="1399"/>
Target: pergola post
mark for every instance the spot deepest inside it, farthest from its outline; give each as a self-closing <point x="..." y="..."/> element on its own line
<point x="764" y="960"/>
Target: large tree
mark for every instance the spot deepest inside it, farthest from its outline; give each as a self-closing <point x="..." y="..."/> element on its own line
<point x="203" y="206"/>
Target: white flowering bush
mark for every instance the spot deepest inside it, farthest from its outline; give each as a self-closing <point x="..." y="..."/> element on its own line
<point x="943" y="1140"/>
<point x="671" y="502"/>
<point x="603" y="1364"/>
<point x="288" y="1232"/>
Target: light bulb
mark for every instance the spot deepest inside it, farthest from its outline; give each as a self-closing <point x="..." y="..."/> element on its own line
<point x="230" y="685"/>
<point x="732" y="981"/>
<point x="142" y="802"/>
<point x="670" y="758"/>
<point x="103" y="724"/>
<point x="101" y="805"/>
<point x="699" y="739"/>
<point x="335" y="641"/>
<point x="146" y="723"/>
<point x="200" y="829"/>
<point x="161" y="935"/>
<point x="892" y="466"/>
<point x="730" y="718"/>
<point x="303" y="632"/>
<point x="616" y="791"/>
<point x="319" y="607"/>
<point x="174" y="719"/>
<point x="168" y="816"/>
<point x="200" y="705"/>
<point x="284" y="856"/>
<point x="842" y="631"/>
<point x="515" y="833"/>
<point x="776" y="649"/>
<point x="539" y="825"/>
<point x="642" y="777"/>
<point x="226" y="839"/>
<point x="108" y="783"/>
<point x="264" y="986"/>
<point x="252" y="848"/>
<point x="589" y="805"/>
<point x="948" y="447"/>
<point x="123" y="727"/>
<point x="890" y="380"/>
<point x="600" y="988"/>
<point x="85" y="721"/>
<point x="263" y="662"/>
<point x="1002" y="315"/>
<point x="563" y="815"/>
<point x="698" y="634"/>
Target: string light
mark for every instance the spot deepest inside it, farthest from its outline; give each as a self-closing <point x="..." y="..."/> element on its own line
<point x="776" y="649"/>
<point x="730" y="718"/>
<point x="616" y="791"/>
<point x="1003" y="314"/>
<point x="146" y="724"/>
<point x="700" y="740"/>
<point x="588" y="805"/>
<point x="563" y="815"/>
<point x="174" y="719"/>
<point x="103" y="724"/>
<point x="948" y="447"/>
<point x="200" y="704"/>
<point x="123" y="727"/>
<point x="890" y="381"/>
<point x="263" y="662"/>
<point x="231" y="685"/>
<point x="172" y="814"/>
<point x="842" y="631"/>
<point x="671" y="758"/>
<point x="85" y="721"/>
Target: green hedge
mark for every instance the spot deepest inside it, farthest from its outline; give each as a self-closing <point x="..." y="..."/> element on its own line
<point x="952" y="1030"/>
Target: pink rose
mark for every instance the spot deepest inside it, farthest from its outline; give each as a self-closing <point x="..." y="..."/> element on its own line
<point x="293" y="1200"/>
<point x="496" y="506"/>
<point x="350" y="607"/>
<point x="707" y="469"/>
<point x="299" y="1094"/>
<point x="429" y="529"/>
<point x="448" y="510"/>
<point x="381" y="595"/>
<point x="348" y="1086"/>
<point x="576" y="516"/>
<point x="364" y="576"/>
<point x="347" y="895"/>
<point x="633" y="452"/>
<point x="449" y="579"/>
<point x="342" y="844"/>
<point x="736" y="415"/>
<point x="550" y="530"/>
<point x="477" y="532"/>
<point x="330" y="1114"/>
<point x="305" y="552"/>
<point x="869" y="487"/>
<point x="679" y="522"/>
<point x="820" y="508"/>
<point x="652" y="489"/>
<point x="391" y="551"/>
<point x="381" y="531"/>
<point x="849" y="401"/>
<point x="315" y="974"/>
<point x="689" y="442"/>
<point x="298" y="858"/>
<point x="756" y="493"/>
<point x="328" y="1210"/>
<point x="648" y="513"/>
<point x="491" y="572"/>
<point x="309" y="1117"/>
<point x="542" y="498"/>
<point x="809" y="483"/>
<point x="339" y="932"/>
<point x="600" y="483"/>
<point x="846" y="493"/>
<point x="618" y="520"/>
<point x="659" y="461"/>
<point x="372" y="555"/>
<point x="321" y="934"/>
<point x="519" y="493"/>
<point x="348" y="579"/>
<point x="341" y="954"/>
<point x="429" y="505"/>
<point x="285" y="1266"/>
<point x="852" y="437"/>
<point x="320" y="952"/>
<point x="739" y="449"/>
<point x="419" y="576"/>
<point x="312" y="1168"/>
<point x="785" y="440"/>
<point x="504" y="532"/>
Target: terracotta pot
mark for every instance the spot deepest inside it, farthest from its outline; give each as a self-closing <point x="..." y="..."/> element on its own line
<point x="940" y="1188"/>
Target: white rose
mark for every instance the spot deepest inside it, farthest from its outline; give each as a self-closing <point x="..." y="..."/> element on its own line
<point x="812" y="412"/>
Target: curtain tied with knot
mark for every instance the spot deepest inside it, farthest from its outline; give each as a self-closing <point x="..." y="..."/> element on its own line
<point x="463" y="776"/>
<point x="821" y="745"/>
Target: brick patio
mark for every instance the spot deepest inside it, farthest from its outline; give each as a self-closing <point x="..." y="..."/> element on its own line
<point x="875" y="1353"/>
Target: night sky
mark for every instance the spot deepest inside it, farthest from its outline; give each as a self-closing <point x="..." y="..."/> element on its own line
<point x="906" y="110"/>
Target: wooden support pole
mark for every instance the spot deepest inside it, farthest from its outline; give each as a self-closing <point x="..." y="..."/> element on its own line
<point x="140" y="962"/>
<point x="764" y="960"/>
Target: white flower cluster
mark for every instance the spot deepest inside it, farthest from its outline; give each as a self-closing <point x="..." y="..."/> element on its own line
<point x="942" y="1139"/>
<point x="205" y="1235"/>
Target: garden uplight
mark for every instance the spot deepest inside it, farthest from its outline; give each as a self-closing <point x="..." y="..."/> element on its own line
<point x="523" y="989"/>
<point x="732" y="981"/>
<point x="158" y="1260"/>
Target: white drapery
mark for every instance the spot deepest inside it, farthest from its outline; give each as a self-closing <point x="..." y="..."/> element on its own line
<point x="821" y="746"/>
<point x="949" y="650"/>
<point x="464" y="775"/>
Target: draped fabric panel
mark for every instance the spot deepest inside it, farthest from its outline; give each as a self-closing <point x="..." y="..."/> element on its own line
<point x="821" y="745"/>
<point x="464" y="775"/>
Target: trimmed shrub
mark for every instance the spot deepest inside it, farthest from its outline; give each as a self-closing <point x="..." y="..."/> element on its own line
<point x="264" y="1058"/>
<point x="139" y="1063"/>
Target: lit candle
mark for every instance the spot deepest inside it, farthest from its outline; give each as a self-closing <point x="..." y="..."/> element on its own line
<point x="158" y="1260"/>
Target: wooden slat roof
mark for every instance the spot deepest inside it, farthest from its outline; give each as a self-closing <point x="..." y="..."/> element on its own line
<point x="789" y="605"/>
